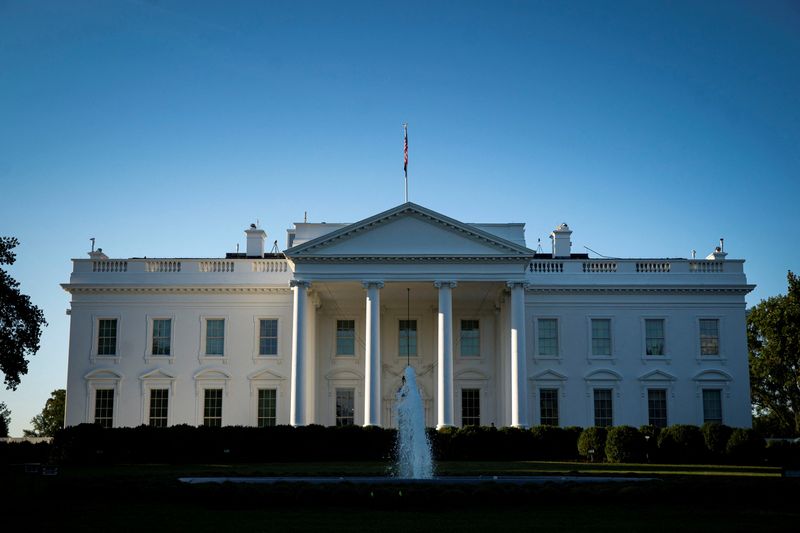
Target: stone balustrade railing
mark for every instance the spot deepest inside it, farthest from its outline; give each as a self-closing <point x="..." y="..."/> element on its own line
<point x="179" y="266"/>
<point x="634" y="266"/>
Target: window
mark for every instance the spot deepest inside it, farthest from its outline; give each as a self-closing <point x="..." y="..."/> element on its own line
<point x="470" y="338"/>
<point x="345" y="407"/>
<point x="657" y="407"/>
<point x="162" y="335"/>
<point x="548" y="336"/>
<point x="212" y="408"/>
<point x="601" y="336"/>
<point x="104" y="407"/>
<point x="215" y="336"/>
<point x="654" y="336"/>
<point x="345" y="337"/>
<point x="712" y="406"/>
<point x="268" y="336"/>
<point x="407" y="339"/>
<point x="548" y="407"/>
<point x="709" y="336"/>
<point x="107" y="336"/>
<point x="266" y="407"/>
<point x="470" y="407"/>
<point x="159" y="403"/>
<point x="603" y="408"/>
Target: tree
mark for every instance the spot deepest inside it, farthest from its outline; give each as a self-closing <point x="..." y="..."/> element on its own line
<point x="773" y="340"/>
<point x="52" y="417"/>
<point x="21" y="322"/>
<point x="5" y="420"/>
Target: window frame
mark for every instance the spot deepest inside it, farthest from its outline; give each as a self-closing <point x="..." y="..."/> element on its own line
<point x="204" y="356"/>
<point x="610" y="391"/>
<point x="336" y="354"/>
<point x="416" y="322"/>
<point x="257" y="338"/>
<point x="95" y="351"/>
<point x="555" y="389"/>
<point x="667" y="393"/>
<point x="666" y="356"/>
<point x="480" y="404"/>
<point x="335" y="402"/>
<point x="461" y="353"/>
<point x="149" y="356"/>
<point x="222" y="402"/>
<point x="156" y="379"/>
<point x="611" y="356"/>
<point x="720" y="356"/>
<point x="150" y="405"/>
<point x="536" y="336"/>
<point x="721" y="393"/>
<point x="275" y="392"/>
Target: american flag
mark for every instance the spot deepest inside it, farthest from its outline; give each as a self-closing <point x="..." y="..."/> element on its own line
<point x="405" y="149"/>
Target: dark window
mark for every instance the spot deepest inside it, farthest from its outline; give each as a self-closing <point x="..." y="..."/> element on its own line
<point x="212" y="408"/>
<point x="215" y="336"/>
<point x="266" y="407"/>
<point x="345" y="407"/>
<point x="603" y="408"/>
<point x="548" y="406"/>
<point x="268" y="337"/>
<point x="470" y="407"/>
<point x="107" y="336"/>
<point x="712" y="406"/>
<point x="601" y="336"/>
<point x="657" y="407"/>
<point x="408" y="338"/>
<point x="709" y="336"/>
<point x="104" y="407"/>
<point x="159" y="404"/>
<point x="162" y="334"/>
<point x="470" y="338"/>
<point x="345" y="337"/>
<point x="654" y="336"/>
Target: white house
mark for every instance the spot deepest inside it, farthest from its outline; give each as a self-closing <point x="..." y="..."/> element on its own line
<point x="498" y="334"/>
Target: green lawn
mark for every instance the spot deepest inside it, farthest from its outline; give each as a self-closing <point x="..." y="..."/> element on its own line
<point x="149" y="497"/>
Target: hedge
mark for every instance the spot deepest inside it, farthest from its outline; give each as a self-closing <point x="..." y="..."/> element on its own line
<point x="592" y="443"/>
<point x="625" y="444"/>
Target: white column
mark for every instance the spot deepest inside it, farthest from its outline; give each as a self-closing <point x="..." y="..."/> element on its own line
<point x="519" y="372"/>
<point x="372" y="374"/>
<point x="445" y="351"/>
<point x="297" y="403"/>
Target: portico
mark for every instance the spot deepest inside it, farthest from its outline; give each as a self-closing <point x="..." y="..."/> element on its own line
<point x="385" y="267"/>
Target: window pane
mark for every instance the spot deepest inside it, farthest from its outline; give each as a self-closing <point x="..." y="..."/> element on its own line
<point x="215" y="336"/>
<point x="601" y="336"/>
<point x="212" y="408"/>
<point x="548" y="406"/>
<point x="162" y="332"/>
<point x="470" y="338"/>
<point x="470" y="407"/>
<point x="345" y="337"/>
<point x="657" y="407"/>
<point x="654" y="332"/>
<point x="268" y="337"/>
<point x="107" y="337"/>
<point x="548" y="336"/>
<point x="104" y="407"/>
<point x="266" y="407"/>
<point x="712" y="406"/>
<point x="345" y="407"/>
<point x="407" y="339"/>
<point x="709" y="336"/>
<point x="603" y="408"/>
<point x="159" y="403"/>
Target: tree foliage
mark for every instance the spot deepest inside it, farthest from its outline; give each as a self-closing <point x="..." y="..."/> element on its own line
<point x="5" y="420"/>
<point x="21" y="322"/>
<point x="773" y="340"/>
<point x="51" y="418"/>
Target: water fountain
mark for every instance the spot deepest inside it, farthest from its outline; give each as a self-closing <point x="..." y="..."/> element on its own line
<point x="414" y="458"/>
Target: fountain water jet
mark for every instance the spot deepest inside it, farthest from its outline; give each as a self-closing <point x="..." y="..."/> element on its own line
<point x="414" y="458"/>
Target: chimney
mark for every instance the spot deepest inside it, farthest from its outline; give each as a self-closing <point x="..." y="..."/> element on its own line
<point x="561" y="243"/>
<point x="719" y="252"/>
<point x="98" y="255"/>
<point x="255" y="241"/>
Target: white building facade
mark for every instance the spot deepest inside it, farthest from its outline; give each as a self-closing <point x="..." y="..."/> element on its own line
<point x="321" y="333"/>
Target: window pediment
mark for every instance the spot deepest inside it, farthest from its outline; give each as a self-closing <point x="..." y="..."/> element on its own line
<point x="549" y="375"/>
<point x="657" y="375"/>
<point x="712" y="374"/>
<point x="103" y="373"/>
<point x="211" y="374"/>
<point x="603" y="374"/>
<point x="265" y="374"/>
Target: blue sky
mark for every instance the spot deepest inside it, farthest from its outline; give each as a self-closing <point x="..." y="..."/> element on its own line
<point x="164" y="128"/>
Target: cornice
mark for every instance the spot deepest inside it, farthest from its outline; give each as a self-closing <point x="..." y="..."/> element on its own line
<point x="661" y="289"/>
<point x="109" y="289"/>
<point x="410" y="259"/>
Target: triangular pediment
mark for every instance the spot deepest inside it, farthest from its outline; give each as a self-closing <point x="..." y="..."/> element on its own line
<point x="157" y="374"/>
<point x="212" y="374"/>
<point x="265" y="374"/>
<point x="657" y="375"/>
<point x="549" y="375"/>
<point x="408" y="230"/>
<point x="103" y="373"/>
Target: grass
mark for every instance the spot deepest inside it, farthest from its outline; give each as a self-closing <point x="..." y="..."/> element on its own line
<point x="134" y="497"/>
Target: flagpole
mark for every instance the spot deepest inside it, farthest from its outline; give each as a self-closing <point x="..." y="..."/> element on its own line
<point x="405" y="155"/>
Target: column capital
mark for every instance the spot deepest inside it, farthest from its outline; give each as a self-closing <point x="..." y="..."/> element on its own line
<point x="299" y="283"/>
<point x="445" y="283"/>
<point x="367" y="283"/>
<point x="517" y="283"/>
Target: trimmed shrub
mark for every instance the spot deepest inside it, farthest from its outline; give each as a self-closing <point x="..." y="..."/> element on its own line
<point x="625" y="444"/>
<point x="745" y="446"/>
<point x="716" y="438"/>
<point x="593" y="438"/>
<point x="681" y="443"/>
